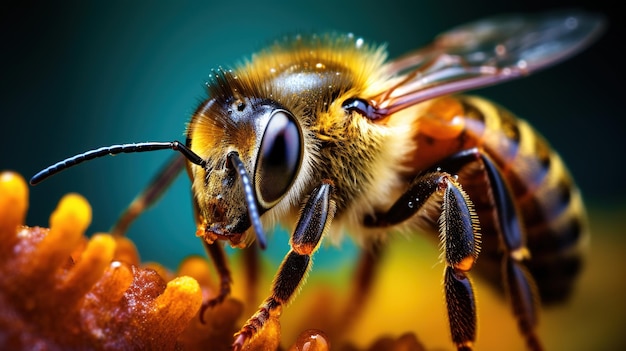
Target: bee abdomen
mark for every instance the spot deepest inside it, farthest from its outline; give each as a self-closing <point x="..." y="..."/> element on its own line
<point x="548" y="202"/>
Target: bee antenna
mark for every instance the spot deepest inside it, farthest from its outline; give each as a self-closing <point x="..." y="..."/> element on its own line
<point x="114" y="150"/>
<point x="250" y="197"/>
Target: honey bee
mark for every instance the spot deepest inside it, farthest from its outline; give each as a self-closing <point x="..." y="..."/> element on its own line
<point x="325" y="135"/>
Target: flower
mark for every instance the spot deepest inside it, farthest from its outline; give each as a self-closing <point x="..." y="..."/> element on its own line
<point x="61" y="290"/>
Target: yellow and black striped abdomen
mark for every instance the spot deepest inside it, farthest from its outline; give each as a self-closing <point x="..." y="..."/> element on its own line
<point x="548" y="202"/>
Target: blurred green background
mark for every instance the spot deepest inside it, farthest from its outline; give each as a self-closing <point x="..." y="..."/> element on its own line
<point x="79" y="75"/>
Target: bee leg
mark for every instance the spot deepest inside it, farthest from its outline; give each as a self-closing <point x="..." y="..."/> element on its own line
<point x="460" y="237"/>
<point x="458" y="230"/>
<point x="218" y="257"/>
<point x="417" y="195"/>
<point x="519" y="285"/>
<point x="150" y="195"/>
<point x="313" y="223"/>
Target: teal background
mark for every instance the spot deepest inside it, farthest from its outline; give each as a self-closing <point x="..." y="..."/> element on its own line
<point x="79" y="75"/>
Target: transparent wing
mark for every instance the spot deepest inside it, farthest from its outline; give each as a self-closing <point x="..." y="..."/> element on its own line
<point x="486" y="52"/>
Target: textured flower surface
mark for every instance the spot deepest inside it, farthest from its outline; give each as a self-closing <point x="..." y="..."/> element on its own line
<point x="61" y="290"/>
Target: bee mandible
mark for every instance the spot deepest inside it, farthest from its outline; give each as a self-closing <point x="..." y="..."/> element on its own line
<point x="323" y="134"/>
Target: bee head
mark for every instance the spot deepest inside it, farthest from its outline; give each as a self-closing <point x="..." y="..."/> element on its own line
<point x="253" y="149"/>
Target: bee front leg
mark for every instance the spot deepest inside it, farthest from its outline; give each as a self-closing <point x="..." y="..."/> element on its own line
<point x="313" y="223"/>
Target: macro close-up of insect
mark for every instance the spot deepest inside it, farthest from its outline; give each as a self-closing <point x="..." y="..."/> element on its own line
<point x="328" y="137"/>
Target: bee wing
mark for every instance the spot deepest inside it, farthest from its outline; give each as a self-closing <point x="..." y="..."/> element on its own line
<point x="486" y="52"/>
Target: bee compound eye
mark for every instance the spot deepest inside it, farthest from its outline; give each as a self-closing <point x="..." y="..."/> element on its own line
<point x="279" y="158"/>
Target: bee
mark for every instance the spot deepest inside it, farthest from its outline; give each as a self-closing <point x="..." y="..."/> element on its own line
<point x="323" y="134"/>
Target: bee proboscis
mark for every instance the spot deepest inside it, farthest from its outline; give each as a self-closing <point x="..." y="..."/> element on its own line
<point x="325" y="135"/>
